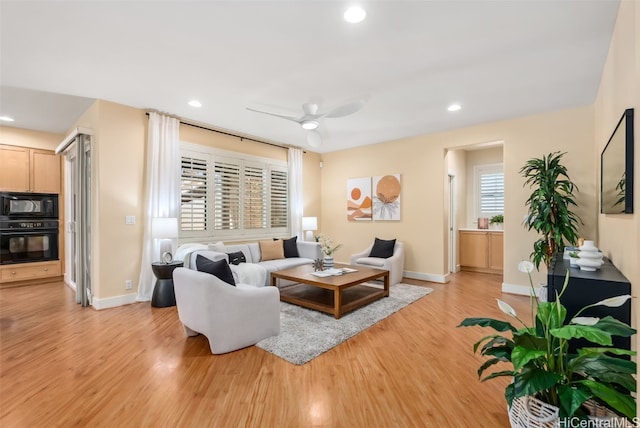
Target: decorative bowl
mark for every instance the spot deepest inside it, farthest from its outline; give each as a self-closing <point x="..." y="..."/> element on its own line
<point x="573" y="261"/>
<point x="589" y="264"/>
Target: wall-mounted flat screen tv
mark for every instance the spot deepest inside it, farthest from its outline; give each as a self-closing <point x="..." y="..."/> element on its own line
<point x="616" y="174"/>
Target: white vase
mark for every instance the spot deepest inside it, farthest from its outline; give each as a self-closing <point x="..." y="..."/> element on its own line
<point x="328" y="262"/>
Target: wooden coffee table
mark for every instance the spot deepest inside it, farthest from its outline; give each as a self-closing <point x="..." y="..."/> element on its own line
<point x="335" y="295"/>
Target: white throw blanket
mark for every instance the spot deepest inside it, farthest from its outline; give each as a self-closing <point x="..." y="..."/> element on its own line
<point x="184" y="252"/>
<point x="244" y="273"/>
<point x="249" y="273"/>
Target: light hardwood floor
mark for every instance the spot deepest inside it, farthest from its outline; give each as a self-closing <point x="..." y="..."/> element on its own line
<point x="132" y="366"/>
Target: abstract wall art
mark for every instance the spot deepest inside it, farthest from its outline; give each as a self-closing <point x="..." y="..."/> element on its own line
<point x="359" y="199"/>
<point x="386" y="197"/>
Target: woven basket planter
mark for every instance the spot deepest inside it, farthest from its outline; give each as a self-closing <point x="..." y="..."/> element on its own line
<point x="529" y="412"/>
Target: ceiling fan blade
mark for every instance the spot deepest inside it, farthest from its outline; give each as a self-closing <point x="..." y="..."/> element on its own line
<point x="345" y="109"/>
<point x="314" y="139"/>
<point x="282" y="116"/>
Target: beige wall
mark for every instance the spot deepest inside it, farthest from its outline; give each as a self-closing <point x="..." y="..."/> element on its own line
<point x="619" y="235"/>
<point x="27" y="138"/>
<point x="117" y="174"/>
<point x="421" y="161"/>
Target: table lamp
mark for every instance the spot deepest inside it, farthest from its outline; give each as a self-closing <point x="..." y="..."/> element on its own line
<point x="165" y="229"/>
<point x="309" y="224"/>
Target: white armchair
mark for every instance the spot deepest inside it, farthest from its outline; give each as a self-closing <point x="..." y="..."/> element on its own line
<point x="394" y="264"/>
<point x="230" y="317"/>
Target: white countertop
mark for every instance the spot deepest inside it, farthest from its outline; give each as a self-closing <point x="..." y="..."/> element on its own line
<point x="470" y="229"/>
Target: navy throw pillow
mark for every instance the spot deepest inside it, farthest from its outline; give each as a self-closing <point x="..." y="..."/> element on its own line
<point x="382" y="249"/>
<point x="218" y="268"/>
<point x="236" y="258"/>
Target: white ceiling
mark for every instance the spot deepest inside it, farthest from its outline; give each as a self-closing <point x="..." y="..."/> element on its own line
<point x="408" y="59"/>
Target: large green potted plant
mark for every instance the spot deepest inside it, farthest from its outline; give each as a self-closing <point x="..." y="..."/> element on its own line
<point x="550" y="206"/>
<point x="542" y="366"/>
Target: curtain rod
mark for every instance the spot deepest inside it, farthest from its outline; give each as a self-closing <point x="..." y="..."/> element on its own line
<point x="209" y="128"/>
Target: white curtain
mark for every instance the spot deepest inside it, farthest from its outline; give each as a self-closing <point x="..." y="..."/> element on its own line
<point x="162" y="191"/>
<point x="295" y="192"/>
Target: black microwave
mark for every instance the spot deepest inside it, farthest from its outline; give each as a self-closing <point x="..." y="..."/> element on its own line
<point x="15" y="205"/>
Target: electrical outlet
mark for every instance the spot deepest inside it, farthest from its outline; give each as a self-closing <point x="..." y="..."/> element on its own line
<point x="130" y="219"/>
<point x="128" y="284"/>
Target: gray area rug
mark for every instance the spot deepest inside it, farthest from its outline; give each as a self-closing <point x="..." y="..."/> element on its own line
<point x="305" y="333"/>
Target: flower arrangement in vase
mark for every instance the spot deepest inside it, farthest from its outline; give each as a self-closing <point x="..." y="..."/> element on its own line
<point x="328" y="248"/>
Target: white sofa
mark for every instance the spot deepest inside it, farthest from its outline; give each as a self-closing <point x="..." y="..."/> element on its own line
<point x="248" y="272"/>
<point x="230" y="317"/>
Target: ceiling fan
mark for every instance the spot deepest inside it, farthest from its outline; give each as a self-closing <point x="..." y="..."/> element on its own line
<point x="310" y="119"/>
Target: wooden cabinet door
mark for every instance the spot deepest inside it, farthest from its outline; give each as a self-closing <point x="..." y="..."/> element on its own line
<point x="473" y="249"/>
<point x="14" y="169"/>
<point x="496" y="251"/>
<point x="45" y="172"/>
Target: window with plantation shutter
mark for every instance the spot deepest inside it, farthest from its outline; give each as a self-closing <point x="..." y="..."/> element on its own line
<point x="490" y="190"/>
<point x="193" y="191"/>
<point x="235" y="197"/>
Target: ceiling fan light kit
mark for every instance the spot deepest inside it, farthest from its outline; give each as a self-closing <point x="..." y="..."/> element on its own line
<point x="355" y="14"/>
<point x="310" y="119"/>
<point x="309" y="125"/>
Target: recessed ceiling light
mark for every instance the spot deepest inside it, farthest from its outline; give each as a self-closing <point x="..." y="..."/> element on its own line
<point x="195" y="103"/>
<point x="309" y="124"/>
<point x="6" y="118"/>
<point x="355" y="14"/>
<point x="454" y="107"/>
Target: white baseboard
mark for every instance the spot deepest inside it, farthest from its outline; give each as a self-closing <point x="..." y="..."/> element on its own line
<point x="523" y="290"/>
<point x="443" y="279"/>
<point x="112" y="302"/>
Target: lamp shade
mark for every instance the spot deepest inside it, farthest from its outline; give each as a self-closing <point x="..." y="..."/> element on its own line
<point x="164" y="227"/>
<point x="309" y="223"/>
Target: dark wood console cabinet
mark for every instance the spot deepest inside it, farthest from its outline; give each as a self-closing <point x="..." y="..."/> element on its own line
<point x="586" y="288"/>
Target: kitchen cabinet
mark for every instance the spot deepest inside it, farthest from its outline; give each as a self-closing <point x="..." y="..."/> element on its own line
<point x="23" y="169"/>
<point x="27" y="273"/>
<point x="481" y="250"/>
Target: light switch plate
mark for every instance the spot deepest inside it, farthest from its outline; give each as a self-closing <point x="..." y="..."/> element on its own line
<point x="130" y="219"/>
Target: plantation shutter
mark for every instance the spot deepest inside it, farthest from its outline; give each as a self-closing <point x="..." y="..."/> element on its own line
<point x="279" y="198"/>
<point x="492" y="193"/>
<point x="226" y="195"/>
<point x="255" y="197"/>
<point x="193" y="190"/>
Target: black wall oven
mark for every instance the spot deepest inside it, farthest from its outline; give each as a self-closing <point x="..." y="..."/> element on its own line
<point x="28" y="227"/>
